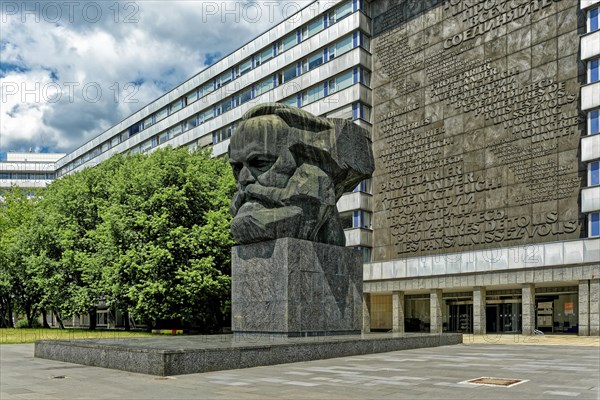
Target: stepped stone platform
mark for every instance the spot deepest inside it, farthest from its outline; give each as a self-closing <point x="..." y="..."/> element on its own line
<point x="166" y="356"/>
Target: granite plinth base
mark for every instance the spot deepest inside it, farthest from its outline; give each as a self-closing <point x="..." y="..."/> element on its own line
<point x="291" y="287"/>
<point x="195" y="354"/>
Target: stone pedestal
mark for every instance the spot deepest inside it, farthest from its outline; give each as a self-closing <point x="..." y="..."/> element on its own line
<point x="291" y="287"/>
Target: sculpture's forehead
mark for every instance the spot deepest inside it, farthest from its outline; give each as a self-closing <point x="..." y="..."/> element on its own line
<point x="259" y="135"/>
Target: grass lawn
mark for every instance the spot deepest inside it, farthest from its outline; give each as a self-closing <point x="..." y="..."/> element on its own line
<point x="15" y="336"/>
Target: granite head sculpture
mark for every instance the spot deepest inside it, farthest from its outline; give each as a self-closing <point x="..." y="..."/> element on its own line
<point x="291" y="168"/>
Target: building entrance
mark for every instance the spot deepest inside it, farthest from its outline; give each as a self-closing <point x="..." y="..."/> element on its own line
<point x="503" y="317"/>
<point x="460" y="317"/>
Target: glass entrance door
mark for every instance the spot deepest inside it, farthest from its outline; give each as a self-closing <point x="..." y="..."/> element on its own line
<point x="460" y="318"/>
<point x="503" y="317"/>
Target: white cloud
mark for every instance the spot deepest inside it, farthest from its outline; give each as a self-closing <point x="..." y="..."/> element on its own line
<point x="54" y="59"/>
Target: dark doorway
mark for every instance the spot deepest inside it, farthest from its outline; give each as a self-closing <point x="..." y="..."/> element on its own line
<point x="460" y="318"/>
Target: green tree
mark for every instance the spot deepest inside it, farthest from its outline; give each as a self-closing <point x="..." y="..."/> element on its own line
<point x="18" y="289"/>
<point x="165" y="239"/>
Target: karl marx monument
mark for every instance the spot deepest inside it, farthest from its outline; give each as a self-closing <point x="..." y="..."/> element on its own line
<point x="291" y="274"/>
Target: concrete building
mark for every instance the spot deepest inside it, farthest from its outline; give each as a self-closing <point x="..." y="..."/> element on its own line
<point x="484" y="212"/>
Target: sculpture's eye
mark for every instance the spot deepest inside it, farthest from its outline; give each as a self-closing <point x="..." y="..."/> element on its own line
<point x="237" y="168"/>
<point x="261" y="164"/>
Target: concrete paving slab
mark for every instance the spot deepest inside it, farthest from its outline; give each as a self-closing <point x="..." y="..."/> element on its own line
<point x="409" y="374"/>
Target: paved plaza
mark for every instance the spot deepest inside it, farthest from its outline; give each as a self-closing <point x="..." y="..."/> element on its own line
<point x="556" y="369"/>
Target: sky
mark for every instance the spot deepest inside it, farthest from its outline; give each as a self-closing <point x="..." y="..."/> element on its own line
<point x="69" y="70"/>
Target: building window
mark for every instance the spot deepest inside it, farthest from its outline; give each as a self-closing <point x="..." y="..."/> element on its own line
<point x="223" y="134"/>
<point x="361" y="219"/>
<point x="244" y="67"/>
<point x="161" y="114"/>
<point x="146" y="146"/>
<point x="263" y="86"/>
<point x="313" y="94"/>
<point x="312" y="28"/>
<point x="243" y="97"/>
<point x="102" y="318"/>
<point x="176" y="106"/>
<point x="594" y="122"/>
<point x="192" y="97"/>
<point x="287" y="43"/>
<point x="312" y="61"/>
<point x="594" y="173"/>
<point x="341" y="82"/>
<point x="341" y="12"/>
<point x="224" y="106"/>
<point x="290" y="101"/>
<point x="340" y="47"/>
<point x="364" y="187"/>
<point x="288" y="74"/>
<point x="263" y="56"/>
<point x="163" y="137"/>
<point x="366" y="253"/>
<point x="365" y="42"/>
<point x="223" y="79"/>
<point x="594" y="224"/>
<point x="205" y="89"/>
<point x="593" y="71"/>
<point x="175" y="131"/>
<point x="206" y="115"/>
<point x="593" y="19"/>
<point x="147" y="122"/>
<point x="191" y="123"/>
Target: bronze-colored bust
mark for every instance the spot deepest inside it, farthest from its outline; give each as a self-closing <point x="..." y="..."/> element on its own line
<point x="291" y="168"/>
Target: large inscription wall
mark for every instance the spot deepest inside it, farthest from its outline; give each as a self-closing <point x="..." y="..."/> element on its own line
<point x="476" y="124"/>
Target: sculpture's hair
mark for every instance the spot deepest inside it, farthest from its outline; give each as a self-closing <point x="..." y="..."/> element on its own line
<point x="343" y="146"/>
<point x="293" y="117"/>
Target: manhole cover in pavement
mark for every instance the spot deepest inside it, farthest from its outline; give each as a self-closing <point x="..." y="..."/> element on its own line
<point x="503" y="382"/>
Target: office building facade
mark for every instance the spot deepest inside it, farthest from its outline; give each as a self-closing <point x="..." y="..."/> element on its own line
<point x="483" y="213"/>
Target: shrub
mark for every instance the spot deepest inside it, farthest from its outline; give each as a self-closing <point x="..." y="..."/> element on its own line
<point x="22" y="323"/>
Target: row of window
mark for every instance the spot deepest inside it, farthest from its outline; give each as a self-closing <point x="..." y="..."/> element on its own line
<point x="593" y="75"/>
<point x="330" y="86"/>
<point x="36" y="176"/>
<point x="218" y="136"/>
<point x="289" y="41"/>
<point x="283" y="76"/>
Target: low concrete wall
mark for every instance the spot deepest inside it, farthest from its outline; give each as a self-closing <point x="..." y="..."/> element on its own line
<point x="183" y="356"/>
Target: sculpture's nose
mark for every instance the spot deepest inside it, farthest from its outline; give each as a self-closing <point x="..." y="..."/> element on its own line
<point x="246" y="178"/>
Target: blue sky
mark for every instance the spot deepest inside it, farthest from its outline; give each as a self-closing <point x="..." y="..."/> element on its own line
<point x="70" y="70"/>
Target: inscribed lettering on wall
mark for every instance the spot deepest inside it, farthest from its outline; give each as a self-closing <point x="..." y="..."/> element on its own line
<point x="476" y="125"/>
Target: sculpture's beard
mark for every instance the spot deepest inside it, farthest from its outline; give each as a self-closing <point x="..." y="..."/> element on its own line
<point x="304" y="209"/>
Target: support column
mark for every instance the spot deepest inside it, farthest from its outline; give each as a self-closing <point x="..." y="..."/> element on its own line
<point x="479" y="321"/>
<point x="528" y="303"/>
<point x="595" y="307"/>
<point x="584" y="308"/>
<point x="435" y="306"/>
<point x="398" y="312"/>
<point x="366" y="308"/>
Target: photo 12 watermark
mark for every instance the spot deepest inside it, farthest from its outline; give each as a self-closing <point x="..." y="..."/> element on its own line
<point x="54" y="92"/>
<point x="70" y="11"/>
